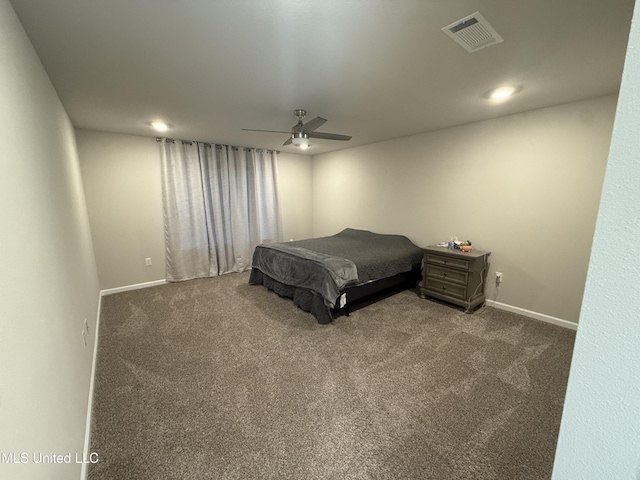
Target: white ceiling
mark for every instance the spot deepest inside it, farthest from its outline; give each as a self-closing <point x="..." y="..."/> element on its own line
<point x="376" y="69"/>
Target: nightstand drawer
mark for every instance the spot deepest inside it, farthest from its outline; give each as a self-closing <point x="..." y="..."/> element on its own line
<point x="442" y="288"/>
<point x="450" y="261"/>
<point x="448" y="275"/>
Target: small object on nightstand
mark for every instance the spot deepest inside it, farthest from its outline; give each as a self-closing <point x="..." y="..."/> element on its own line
<point x="454" y="276"/>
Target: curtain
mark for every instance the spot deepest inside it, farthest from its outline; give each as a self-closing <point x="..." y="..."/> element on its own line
<point x="219" y="203"/>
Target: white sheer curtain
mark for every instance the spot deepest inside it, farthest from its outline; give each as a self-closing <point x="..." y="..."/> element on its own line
<point x="219" y="203"/>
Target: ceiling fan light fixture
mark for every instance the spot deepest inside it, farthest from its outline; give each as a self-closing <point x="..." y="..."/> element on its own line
<point x="300" y="140"/>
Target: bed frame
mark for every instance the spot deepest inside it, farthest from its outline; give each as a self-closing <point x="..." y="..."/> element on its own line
<point x="358" y="296"/>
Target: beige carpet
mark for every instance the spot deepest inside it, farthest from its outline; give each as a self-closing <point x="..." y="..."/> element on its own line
<point x="217" y="379"/>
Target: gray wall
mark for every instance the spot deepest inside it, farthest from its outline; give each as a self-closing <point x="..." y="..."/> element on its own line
<point x="295" y="178"/>
<point x="525" y="187"/>
<point x="121" y="175"/>
<point x="600" y="431"/>
<point x="48" y="279"/>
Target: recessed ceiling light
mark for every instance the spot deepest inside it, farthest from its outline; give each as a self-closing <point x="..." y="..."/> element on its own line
<point x="502" y="93"/>
<point x="160" y="126"/>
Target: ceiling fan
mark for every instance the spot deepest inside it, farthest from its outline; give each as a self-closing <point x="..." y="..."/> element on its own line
<point x="301" y="132"/>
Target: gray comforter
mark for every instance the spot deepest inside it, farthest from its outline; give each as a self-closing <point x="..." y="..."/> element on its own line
<point x="328" y="264"/>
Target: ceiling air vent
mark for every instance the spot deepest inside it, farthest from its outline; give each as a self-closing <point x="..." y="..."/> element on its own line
<point x="473" y="33"/>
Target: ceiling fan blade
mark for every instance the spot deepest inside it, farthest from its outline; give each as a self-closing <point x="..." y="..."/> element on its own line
<point x="288" y="142"/>
<point x="268" y="131"/>
<point x="311" y="125"/>
<point x="329" y="136"/>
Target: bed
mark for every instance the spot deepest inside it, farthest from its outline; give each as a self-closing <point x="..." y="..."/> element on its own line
<point x="331" y="276"/>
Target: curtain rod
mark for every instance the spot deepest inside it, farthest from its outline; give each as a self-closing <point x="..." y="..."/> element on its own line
<point x="207" y="144"/>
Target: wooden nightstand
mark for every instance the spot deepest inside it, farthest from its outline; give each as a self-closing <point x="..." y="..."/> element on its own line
<point x="455" y="276"/>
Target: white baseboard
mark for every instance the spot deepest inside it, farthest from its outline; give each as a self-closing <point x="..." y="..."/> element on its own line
<point x="528" y="313"/>
<point x="126" y="288"/>
<point x="87" y="433"/>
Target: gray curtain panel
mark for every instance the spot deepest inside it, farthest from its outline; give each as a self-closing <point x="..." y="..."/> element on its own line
<point x="219" y="203"/>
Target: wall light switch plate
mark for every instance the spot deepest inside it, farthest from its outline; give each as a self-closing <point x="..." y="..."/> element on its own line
<point x="147" y="261"/>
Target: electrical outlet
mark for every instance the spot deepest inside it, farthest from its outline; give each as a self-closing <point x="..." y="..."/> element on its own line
<point x="498" y="277"/>
<point x="147" y="261"/>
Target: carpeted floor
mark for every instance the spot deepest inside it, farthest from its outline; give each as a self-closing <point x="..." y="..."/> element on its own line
<point x="218" y="379"/>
